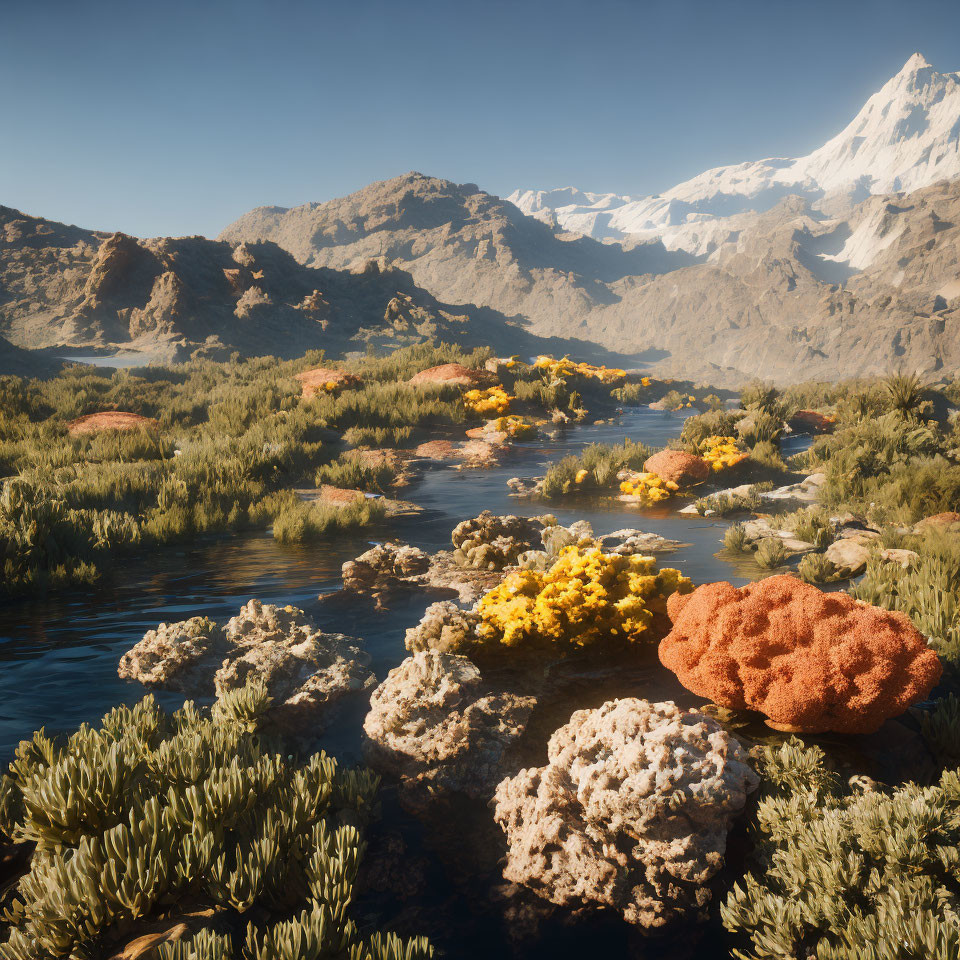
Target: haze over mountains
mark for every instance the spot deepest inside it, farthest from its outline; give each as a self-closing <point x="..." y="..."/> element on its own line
<point x="843" y="262"/>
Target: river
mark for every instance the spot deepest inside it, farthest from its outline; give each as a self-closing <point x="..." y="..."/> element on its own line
<point x="58" y="654"/>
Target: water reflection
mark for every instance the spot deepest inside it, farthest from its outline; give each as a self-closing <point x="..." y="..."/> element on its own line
<point x="58" y="655"/>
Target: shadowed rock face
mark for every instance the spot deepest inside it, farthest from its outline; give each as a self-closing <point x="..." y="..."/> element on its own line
<point x="789" y="294"/>
<point x="63" y="285"/>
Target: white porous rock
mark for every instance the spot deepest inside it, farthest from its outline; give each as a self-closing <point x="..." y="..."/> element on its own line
<point x="436" y="725"/>
<point x="306" y="671"/>
<point x="177" y="656"/>
<point x="444" y="628"/>
<point x="631" y="811"/>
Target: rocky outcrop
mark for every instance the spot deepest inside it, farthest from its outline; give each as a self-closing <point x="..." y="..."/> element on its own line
<point x="939" y="521"/>
<point x="631" y="811"/>
<point x="306" y="672"/>
<point x="169" y="297"/>
<point x="444" y="628"/>
<point x="811" y="421"/>
<point x="438" y="727"/>
<point x="850" y="552"/>
<point x="786" y="294"/>
<point x="808" y="660"/>
<point x="111" y="420"/>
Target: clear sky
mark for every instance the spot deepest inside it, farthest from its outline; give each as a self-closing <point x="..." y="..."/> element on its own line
<point x="176" y="117"/>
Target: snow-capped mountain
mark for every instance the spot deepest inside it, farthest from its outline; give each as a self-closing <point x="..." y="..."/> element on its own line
<point x="906" y="137"/>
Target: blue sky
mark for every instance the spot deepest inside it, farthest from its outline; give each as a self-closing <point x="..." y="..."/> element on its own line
<point x="177" y="117"/>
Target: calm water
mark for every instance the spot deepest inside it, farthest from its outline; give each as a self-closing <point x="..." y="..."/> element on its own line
<point x="58" y="659"/>
<point x="113" y="361"/>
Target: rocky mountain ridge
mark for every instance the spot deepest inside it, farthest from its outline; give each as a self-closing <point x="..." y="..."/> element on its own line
<point x="66" y="287"/>
<point x="795" y="293"/>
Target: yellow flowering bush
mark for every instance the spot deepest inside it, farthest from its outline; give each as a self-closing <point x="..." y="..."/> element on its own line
<point x="648" y="486"/>
<point x="722" y="452"/>
<point x="494" y="400"/>
<point x="513" y="426"/>
<point x="565" y="367"/>
<point x="586" y="598"/>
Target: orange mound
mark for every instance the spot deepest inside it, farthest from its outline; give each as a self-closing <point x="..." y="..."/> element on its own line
<point x="813" y="421"/>
<point x="454" y="373"/>
<point x="437" y="450"/>
<point x="939" y="521"/>
<point x="811" y="661"/>
<point x="110" y="420"/>
<point x="679" y="466"/>
<point x="339" y="496"/>
<point x="315" y="381"/>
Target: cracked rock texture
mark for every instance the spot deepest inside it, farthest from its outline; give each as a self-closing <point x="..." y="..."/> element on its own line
<point x="436" y="725"/>
<point x="306" y="671"/>
<point x="631" y="811"/>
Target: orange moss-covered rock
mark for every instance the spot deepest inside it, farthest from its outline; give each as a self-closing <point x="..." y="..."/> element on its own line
<point x="939" y="521"/>
<point x="339" y="496"/>
<point x="810" y="661"/>
<point x="679" y="466"/>
<point x="111" y="420"/>
<point x="454" y="373"/>
<point x="812" y="421"/>
<point x="325" y="380"/>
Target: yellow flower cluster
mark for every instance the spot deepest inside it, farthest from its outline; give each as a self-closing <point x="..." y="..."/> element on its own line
<point x="586" y="598"/>
<point x="513" y="426"/>
<point x="649" y="486"/>
<point x="645" y="381"/>
<point x="686" y="400"/>
<point x="565" y="367"/>
<point x="495" y="400"/>
<point x="581" y="476"/>
<point x="722" y="452"/>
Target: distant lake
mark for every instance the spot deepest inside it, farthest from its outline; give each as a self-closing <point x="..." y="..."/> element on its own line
<point x="117" y="361"/>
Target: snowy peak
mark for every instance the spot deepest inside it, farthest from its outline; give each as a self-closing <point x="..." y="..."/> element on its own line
<point x="906" y="137"/>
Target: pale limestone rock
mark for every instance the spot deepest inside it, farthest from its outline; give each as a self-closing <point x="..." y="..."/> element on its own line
<point x="849" y="554"/>
<point x="306" y="671"/>
<point x="436" y="725"/>
<point x="631" y="811"/>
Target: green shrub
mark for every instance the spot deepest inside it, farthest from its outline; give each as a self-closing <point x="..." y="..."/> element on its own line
<point x="770" y="553"/>
<point x="816" y="568"/>
<point x="847" y="875"/>
<point x="299" y="521"/>
<point x="715" y="423"/>
<point x="150" y="811"/>
<point x="928" y="591"/>
<point x="601" y="461"/>
<point x="735" y="539"/>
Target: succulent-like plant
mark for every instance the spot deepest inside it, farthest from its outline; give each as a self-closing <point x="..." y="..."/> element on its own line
<point x="848" y="875"/>
<point x="150" y="810"/>
<point x="816" y="568"/>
